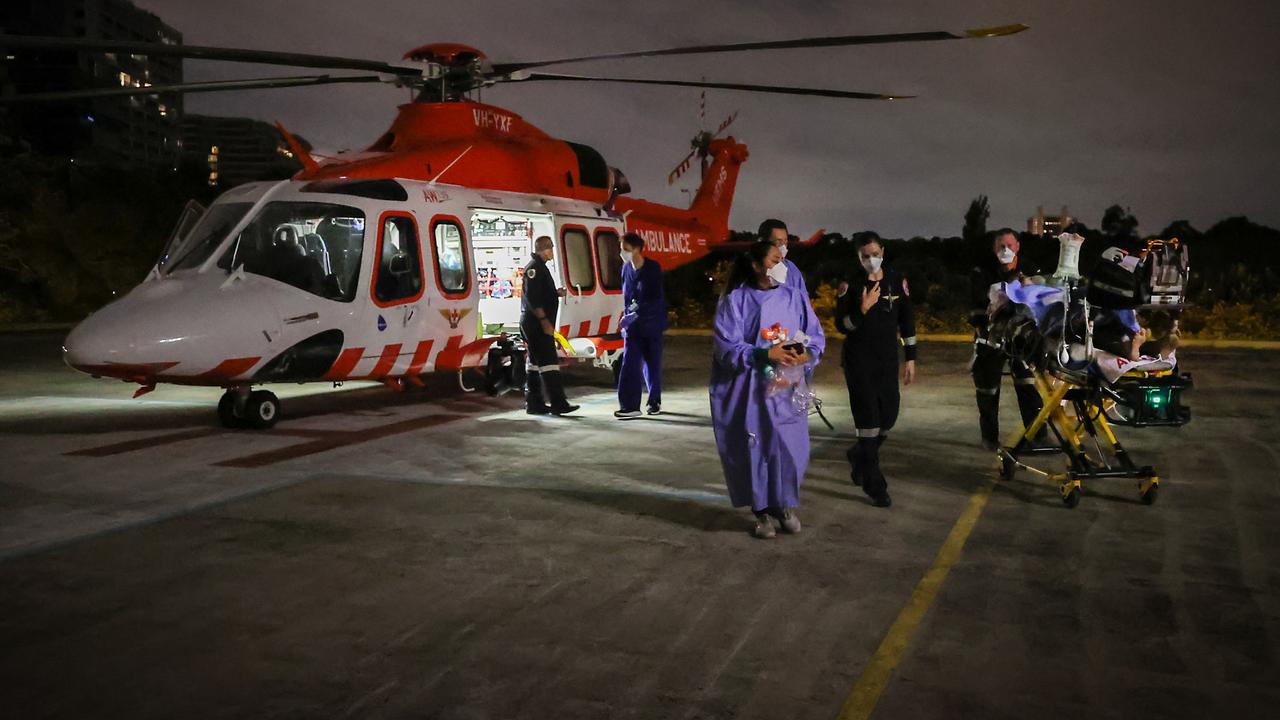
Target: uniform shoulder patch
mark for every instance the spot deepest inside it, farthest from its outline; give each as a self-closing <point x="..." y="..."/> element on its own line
<point x="530" y="273"/>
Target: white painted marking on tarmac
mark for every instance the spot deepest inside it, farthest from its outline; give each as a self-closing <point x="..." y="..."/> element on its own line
<point x="44" y="404"/>
<point x="219" y="501"/>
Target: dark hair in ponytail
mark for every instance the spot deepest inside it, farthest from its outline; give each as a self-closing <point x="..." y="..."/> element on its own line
<point x="743" y="271"/>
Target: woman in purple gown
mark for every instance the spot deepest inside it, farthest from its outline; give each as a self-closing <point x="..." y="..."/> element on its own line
<point x="767" y="342"/>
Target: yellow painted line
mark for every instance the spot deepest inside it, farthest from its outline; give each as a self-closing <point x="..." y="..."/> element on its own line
<point x="875" y="677"/>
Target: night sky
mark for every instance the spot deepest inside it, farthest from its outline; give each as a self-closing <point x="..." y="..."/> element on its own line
<point x="1169" y="108"/>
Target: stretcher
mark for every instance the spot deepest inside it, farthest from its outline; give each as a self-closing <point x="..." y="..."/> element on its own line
<point x="1087" y="390"/>
<point x="1079" y="413"/>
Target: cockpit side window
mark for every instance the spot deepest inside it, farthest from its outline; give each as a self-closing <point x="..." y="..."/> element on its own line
<point x="314" y="247"/>
<point x="198" y="244"/>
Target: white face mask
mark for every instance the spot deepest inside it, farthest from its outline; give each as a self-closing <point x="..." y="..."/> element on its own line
<point x="782" y="250"/>
<point x="872" y="264"/>
<point x="627" y="255"/>
<point x="1006" y="255"/>
<point x="778" y="274"/>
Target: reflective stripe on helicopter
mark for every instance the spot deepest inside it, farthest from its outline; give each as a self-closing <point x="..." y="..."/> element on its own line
<point x="390" y="354"/>
<point x="229" y="369"/>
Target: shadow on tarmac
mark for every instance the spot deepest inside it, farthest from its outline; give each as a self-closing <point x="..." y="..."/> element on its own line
<point x="674" y="510"/>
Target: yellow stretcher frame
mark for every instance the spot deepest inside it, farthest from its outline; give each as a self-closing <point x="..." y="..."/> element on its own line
<point x="1088" y="420"/>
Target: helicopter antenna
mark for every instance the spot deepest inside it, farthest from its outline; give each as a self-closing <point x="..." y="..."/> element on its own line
<point x="455" y="162"/>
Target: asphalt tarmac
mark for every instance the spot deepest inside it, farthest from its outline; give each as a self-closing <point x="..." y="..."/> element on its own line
<point x="438" y="554"/>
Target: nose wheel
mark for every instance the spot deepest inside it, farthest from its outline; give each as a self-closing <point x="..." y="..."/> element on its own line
<point x="240" y="409"/>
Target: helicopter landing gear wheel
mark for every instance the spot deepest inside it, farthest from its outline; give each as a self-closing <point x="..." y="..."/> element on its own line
<point x="262" y="409"/>
<point x="228" y="414"/>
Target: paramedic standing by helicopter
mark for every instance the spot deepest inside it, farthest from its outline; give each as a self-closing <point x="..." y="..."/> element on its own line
<point x="989" y="357"/>
<point x="539" y="303"/>
<point x="643" y="321"/>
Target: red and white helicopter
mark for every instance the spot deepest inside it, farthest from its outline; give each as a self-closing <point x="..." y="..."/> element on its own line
<point x="405" y="258"/>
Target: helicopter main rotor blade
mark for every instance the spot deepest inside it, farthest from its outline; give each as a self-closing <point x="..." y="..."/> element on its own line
<point x="197" y="52"/>
<point x="784" y="90"/>
<point x="214" y="86"/>
<point x="813" y="42"/>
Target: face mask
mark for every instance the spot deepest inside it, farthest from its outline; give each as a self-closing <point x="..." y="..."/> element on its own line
<point x="872" y="264"/>
<point x="778" y="274"/>
<point x="627" y="255"/>
<point x="782" y="250"/>
<point x="1006" y="255"/>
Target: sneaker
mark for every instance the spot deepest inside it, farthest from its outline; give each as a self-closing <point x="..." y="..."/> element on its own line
<point x="881" y="500"/>
<point x="990" y="445"/>
<point x="790" y="523"/>
<point x="565" y="410"/>
<point x="654" y="410"/>
<point x="538" y="410"/>
<point x="764" y="527"/>
<point x="626" y="414"/>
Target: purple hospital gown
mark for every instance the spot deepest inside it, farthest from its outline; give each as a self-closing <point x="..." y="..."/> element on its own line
<point x="763" y="440"/>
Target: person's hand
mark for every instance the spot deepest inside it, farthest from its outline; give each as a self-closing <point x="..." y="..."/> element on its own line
<point x="547" y="329"/>
<point x="779" y="355"/>
<point x="870" y="296"/>
<point x="799" y="358"/>
<point x="561" y="292"/>
<point x="908" y="372"/>
<point x="1139" y="339"/>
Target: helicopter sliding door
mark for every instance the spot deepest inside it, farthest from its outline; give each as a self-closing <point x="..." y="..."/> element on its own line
<point x="589" y="267"/>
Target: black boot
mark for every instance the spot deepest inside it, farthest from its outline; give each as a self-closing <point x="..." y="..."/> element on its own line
<point x="867" y="468"/>
<point x="533" y="402"/>
<point x="989" y="419"/>
<point x="854" y="464"/>
<point x="555" y="394"/>
<point x="1029" y="404"/>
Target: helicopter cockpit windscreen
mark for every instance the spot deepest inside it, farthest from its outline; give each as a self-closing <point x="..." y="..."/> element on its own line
<point x="197" y="245"/>
<point x="312" y="246"/>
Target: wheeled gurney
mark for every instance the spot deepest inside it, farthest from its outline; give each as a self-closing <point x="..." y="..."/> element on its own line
<point x="1087" y="390"/>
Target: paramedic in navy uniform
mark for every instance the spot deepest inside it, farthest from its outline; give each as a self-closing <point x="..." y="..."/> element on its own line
<point x="874" y="311"/>
<point x="1003" y="265"/>
<point x="644" y="317"/>
<point x="539" y="302"/>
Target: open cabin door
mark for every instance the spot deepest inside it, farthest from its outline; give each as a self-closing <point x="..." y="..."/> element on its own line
<point x="502" y="244"/>
<point x="589" y="268"/>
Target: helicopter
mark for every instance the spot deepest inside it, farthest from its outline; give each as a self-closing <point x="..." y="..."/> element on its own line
<point x="405" y="258"/>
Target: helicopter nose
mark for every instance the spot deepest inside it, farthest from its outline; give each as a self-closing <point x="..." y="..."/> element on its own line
<point x="97" y="344"/>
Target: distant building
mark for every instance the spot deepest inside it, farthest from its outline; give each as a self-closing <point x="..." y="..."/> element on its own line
<point x="233" y="151"/>
<point x="1052" y="225"/>
<point x="140" y="130"/>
